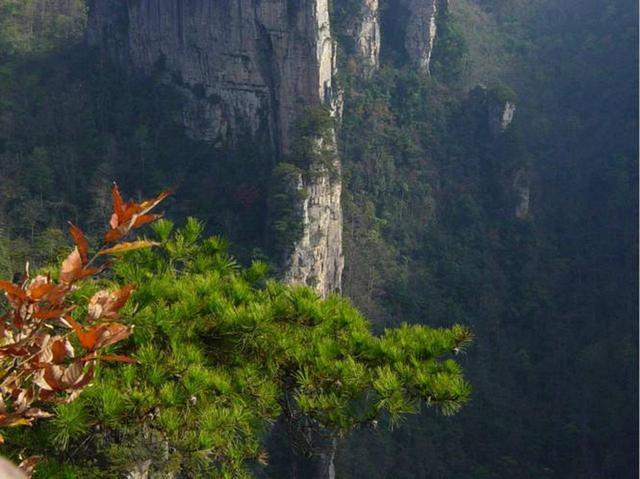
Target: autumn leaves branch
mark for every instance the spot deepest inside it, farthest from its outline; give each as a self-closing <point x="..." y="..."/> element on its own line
<point x="39" y="365"/>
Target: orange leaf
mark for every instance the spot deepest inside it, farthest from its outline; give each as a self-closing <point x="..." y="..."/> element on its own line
<point x="39" y="291"/>
<point x="145" y="206"/>
<point x="87" y="340"/>
<point x="12" y="289"/>
<point x="13" y="350"/>
<point x="145" y="219"/>
<point x="52" y="378"/>
<point x="118" y="209"/>
<point x="124" y="247"/>
<point x="50" y="313"/>
<point x="122" y="296"/>
<point x="27" y="466"/>
<point x="110" y="357"/>
<point x="112" y="333"/>
<point x="116" y="233"/>
<point x="117" y="357"/>
<point x="129" y="215"/>
<point x="59" y="350"/>
<point x="81" y="242"/>
<point x="14" y="421"/>
<point x="106" y="305"/>
<point x="71" y="267"/>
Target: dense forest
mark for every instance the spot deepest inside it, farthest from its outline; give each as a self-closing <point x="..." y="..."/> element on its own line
<point x="523" y="231"/>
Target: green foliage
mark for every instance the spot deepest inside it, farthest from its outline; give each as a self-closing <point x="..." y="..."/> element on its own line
<point x="287" y="194"/>
<point x="37" y="26"/>
<point x="344" y="15"/>
<point x="224" y="351"/>
<point x="71" y="422"/>
<point x="501" y="93"/>
<point x="313" y="154"/>
<point x="429" y="230"/>
<point x="449" y="57"/>
<point x="313" y="146"/>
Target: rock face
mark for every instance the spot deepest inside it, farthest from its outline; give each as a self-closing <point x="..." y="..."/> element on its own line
<point x="317" y="258"/>
<point x="500" y="116"/>
<point x="246" y="65"/>
<point x="497" y="105"/>
<point x="420" y="33"/>
<point x="363" y="28"/>
<point x="367" y="34"/>
<point x="247" y="69"/>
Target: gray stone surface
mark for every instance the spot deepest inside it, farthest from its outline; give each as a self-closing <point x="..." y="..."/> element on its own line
<point x="317" y="258"/>
<point x="245" y="67"/>
<point x="421" y="28"/>
<point x="364" y="30"/>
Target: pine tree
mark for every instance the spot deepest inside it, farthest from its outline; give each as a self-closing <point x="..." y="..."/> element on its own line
<point x="223" y="352"/>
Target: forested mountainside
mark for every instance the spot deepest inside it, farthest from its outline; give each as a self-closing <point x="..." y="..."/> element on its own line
<point x="438" y="162"/>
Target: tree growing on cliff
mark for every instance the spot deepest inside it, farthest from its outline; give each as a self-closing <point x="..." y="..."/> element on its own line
<point x="223" y="352"/>
<point x="45" y="321"/>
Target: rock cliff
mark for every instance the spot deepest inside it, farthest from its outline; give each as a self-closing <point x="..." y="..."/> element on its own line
<point x="501" y="115"/>
<point x="317" y="258"/>
<point x="420" y="30"/>
<point x="246" y="68"/>
<point x="362" y="27"/>
<point x="245" y="65"/>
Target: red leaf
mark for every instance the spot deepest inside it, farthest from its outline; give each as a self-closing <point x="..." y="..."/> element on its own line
<point x="52" y="377"/>
<point x="13" y="420"/>
<point x="145" y="219"/>
<point x="39" y="287"/>
<point x="87" y="340"/>
<point x="113" y="221"/>
<point x="12" y="289"/>
<point x="106" y="305"/>
<point x="118" y="209"/>
<point x="13" y="350"/>
<point x="116" y="233"/>
<point x="59" y="350"/>
<point x="71" y="267"/>
<point x="81" y="242"/>
<point x="110" y="357"/>
<point x="40" y="291"/>
<point x="99" y="336"/>
<point x="59" y="378"/>
<point x="50" y="313"/>
<point x="27" y="466"/>
<point x="129" y="215"/>
<point x="112" y="333"/>
<point x="146" y="206"/>
<point x="84" y="272"/>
